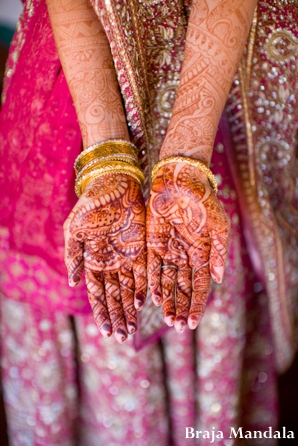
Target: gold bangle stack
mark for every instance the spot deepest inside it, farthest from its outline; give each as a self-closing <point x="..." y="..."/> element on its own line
<point x="93" y="164"/>
<point x="193" y="162"/>
<point x="112" y="156"/>
<point x="112" y="147"/>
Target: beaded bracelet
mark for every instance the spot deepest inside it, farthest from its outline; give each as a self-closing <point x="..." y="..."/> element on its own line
<point x="193" y="162"/>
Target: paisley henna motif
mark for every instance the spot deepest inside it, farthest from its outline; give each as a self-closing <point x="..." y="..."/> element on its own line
<point x="105" y="236"/>
<point x="187" y="241"/>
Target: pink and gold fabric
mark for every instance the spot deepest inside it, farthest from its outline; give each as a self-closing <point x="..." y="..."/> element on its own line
<point x="224" y="375"/>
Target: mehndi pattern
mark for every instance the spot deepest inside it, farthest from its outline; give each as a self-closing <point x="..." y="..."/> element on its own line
<point x="105" y="235"/>
<point x="187" y="228"/>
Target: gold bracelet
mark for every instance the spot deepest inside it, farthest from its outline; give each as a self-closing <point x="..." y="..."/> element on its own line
<point x="109" y="158"/>
<point x="92" y="178"/>
<point x="193" y="162"/>
<point x="100" y="164"/>
<point x="118" y="167"/>
<point x="86" y="179"/>
<point x="105" y="148"/>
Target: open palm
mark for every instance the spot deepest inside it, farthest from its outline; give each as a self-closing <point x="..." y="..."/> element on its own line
<point x="187" y="241"/>
<point x="105" y="237"/>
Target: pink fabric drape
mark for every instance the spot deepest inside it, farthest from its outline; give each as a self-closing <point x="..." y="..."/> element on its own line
<point x="39" y="141"/>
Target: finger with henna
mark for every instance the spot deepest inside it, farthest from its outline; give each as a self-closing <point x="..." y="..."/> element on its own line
<point x="73" y="254"/>
<point x="113" y="296"/>
<point x="218" y="224"/>
<point x="183" y="297"/>
<point x="168" y="285"/>
<point x="154" y="273"/>
<point x="201" y="283"/>
<point x="218" y="256"/>
<point x="126" y="282"/>
<point x="96" y="295"/>
<point x="140" y="277"/>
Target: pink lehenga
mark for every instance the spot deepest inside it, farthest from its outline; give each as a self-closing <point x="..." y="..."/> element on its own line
<point x="61" y="380"/>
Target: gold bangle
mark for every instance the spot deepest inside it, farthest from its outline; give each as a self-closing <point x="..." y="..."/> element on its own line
<point x="86" y="179"/>
<point x="101" y="164"/>
<point x="127" y="159"/>
<point x="118" y="167"/>
<point x="94" y="177"/>
<point x="105" y="148"/>
<point x="193" y="162"/>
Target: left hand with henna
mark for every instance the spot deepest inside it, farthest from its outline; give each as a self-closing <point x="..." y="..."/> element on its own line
<point x="187" y="241"/>
<point x="105" y="232"/>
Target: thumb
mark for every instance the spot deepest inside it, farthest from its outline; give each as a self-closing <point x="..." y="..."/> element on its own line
<point x="73" y="256"/>
<point x="219" y="256"/>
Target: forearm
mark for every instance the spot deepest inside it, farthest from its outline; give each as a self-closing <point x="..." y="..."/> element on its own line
<point x="88" y="66"/>
<point x="216" y="37"/>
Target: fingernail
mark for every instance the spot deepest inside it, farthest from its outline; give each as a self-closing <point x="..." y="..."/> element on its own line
<point x="140" y="302"/>
<point x="193" y="325"/>
<point x="141" y="299"/>
<point x="121" y="335"/>
<point x="180" y="326"/>
<point x="157" y="297"/>
<point x="169" y="319"/>
<point x="73" y="284"/>
<point x="131" y="328"/>
<point x="193" y="322"/>
<point x="107" y="330"/>
<point x="216" y="278"/>
<point x="74" y="279"/>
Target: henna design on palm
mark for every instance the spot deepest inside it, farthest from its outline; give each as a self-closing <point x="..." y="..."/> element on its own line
<point x="105" y="236"/>
<point x="187" y="241"/>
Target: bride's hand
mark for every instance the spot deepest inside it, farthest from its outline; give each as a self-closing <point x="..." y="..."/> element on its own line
<point x="105" y="237"/>
<point x="187" y="241"/>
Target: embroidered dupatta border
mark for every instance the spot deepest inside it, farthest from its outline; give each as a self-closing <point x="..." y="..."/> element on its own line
<point x="258" y="228"/>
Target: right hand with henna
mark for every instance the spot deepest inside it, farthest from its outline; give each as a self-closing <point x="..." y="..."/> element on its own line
<point x="105" y="236"/>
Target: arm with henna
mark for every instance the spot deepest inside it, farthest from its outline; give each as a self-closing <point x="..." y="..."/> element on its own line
<point x="105" y="232"/>
<point x="187" y="227"/>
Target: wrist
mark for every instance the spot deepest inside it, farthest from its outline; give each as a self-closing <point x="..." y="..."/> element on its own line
<point x="202" y="152"/>
<point x="186" y="160"/>
<point x="111" y="132"/>
<point x="106" y="158"/>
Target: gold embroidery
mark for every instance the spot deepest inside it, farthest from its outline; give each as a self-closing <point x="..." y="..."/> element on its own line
<point x="263" y="125"/>
<point x="282" y="45"/>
